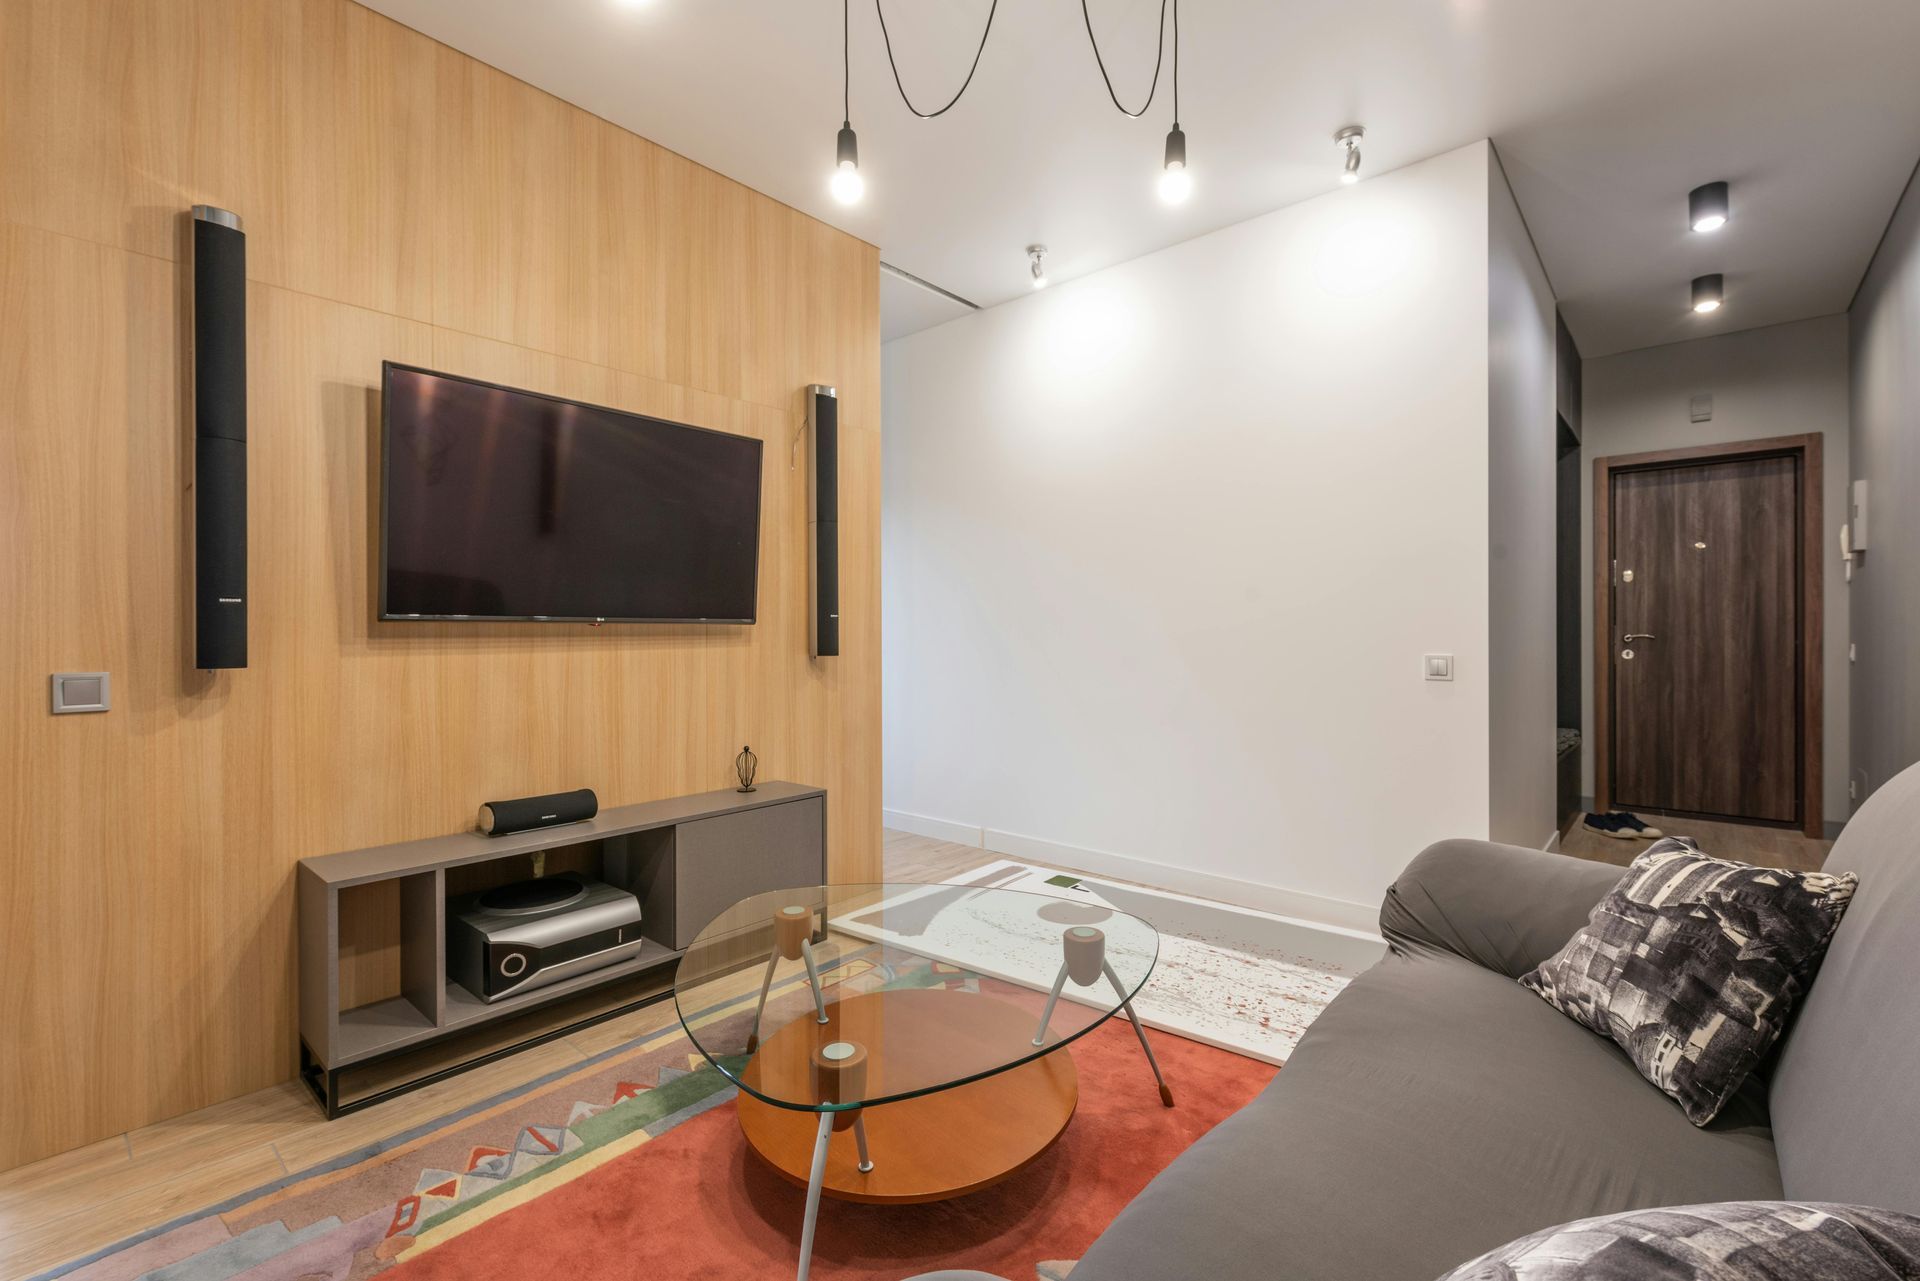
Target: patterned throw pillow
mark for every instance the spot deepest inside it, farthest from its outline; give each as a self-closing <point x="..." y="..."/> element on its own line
<point x="1731" y="1241"/>
<point x="1693" y="963"/>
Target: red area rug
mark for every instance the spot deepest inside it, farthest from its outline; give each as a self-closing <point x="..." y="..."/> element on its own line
<point x="632" y="1165"/>
<point x="696" y="1204"/>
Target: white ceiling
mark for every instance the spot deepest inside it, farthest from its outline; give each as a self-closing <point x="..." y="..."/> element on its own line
<point x="1604" y="114"/>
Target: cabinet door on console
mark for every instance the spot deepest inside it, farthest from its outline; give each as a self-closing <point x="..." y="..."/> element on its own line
<point x="719" y="861"/>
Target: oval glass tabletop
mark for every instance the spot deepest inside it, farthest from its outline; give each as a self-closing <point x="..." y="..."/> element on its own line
<point x="835" y="997"/>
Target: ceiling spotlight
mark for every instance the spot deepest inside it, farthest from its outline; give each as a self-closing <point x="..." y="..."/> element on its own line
<point x="1176" y="184"/>
<point x="1707" y="208"/>
<point x="1034" y="255"/>
<point x="1349" y="138"/>
<point x="1709" y="292"/>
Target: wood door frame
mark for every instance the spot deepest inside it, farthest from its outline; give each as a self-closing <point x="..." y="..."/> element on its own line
<point x="1806" y="450"/>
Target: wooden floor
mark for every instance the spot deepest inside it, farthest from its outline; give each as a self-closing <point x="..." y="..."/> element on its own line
<point x="70" y="1205"/>
<point x="1761" y="846"/>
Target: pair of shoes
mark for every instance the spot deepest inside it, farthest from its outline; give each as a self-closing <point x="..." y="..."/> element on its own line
<point x="1621" y="826"/>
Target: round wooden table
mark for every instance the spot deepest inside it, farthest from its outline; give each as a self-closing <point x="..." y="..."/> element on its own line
<point x="943" y="1144"/>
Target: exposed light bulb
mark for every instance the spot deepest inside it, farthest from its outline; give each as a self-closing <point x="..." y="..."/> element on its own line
<point x="1176" y="184"/>
<point x="1706" y="305"/>
<point x="1349" y="138"/>
<point x="846" y="184"/>
<point x="1035" y="254"/>
<point x="1708" y="207"/>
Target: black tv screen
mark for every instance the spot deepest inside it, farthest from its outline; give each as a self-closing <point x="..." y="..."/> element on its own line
<point x="504" y="504"/>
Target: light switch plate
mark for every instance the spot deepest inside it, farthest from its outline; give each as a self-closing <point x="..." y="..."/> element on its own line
<point x="1438" y="667"/>
<point x="81" y="692"/>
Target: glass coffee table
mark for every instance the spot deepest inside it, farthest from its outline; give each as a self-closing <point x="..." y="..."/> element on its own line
<point x="925" y="1019"/>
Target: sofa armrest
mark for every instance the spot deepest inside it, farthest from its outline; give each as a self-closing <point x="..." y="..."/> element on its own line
<point x="1500" y="906"/>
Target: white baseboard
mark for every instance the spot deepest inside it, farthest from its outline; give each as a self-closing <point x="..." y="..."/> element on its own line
<point x="1553" y="842"/>
<point x="939" y="829"/>
<point x="1311" y="908"/>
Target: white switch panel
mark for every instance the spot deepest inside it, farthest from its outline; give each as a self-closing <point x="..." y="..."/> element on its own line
<point x="1439" y="667"/>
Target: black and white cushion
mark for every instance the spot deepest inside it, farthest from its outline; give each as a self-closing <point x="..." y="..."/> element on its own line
<point x="1728" y="1241"/>
<point x="1692" y="964"/>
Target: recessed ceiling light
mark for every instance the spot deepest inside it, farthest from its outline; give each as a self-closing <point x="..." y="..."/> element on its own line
<point x="1709" y="292"/>
<point x="1707" y="207"/>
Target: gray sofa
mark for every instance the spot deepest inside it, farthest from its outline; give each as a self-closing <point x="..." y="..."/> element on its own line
<point x="1438" y="1109"/>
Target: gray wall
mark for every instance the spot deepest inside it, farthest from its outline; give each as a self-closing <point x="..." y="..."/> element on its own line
<point x="1783" y="380"/>
<point x="1885" y="595"/>
<point x="1522" y="431"/>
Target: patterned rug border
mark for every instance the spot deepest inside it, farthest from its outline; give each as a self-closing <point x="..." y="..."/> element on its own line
<point x="359" y="1155"/>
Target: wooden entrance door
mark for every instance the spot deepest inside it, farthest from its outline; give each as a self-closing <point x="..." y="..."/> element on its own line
<point x="1705" y="653"/>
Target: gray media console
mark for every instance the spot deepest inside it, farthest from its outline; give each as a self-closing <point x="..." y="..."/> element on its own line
<point x="373" y="930"/>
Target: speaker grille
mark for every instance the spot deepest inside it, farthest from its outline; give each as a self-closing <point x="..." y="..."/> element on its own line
<point x="220" y="440"/>
<point x="824" y="525"/>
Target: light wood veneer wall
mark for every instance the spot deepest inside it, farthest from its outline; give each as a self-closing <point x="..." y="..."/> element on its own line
<point x="401" y="201"/>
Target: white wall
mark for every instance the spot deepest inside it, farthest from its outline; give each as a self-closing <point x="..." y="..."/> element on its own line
<point x="1521" y="573"/>
<point x="1783" y="380"/>
<point x="1163" y="547"/>
<point x="1885" y="440"/>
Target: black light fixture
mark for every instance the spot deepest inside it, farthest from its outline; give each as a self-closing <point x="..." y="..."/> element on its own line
<point x="1176" y="180"/>
<point x="1709" y="292"/>
<point x="1349" y="138"/>
<point x="846" y="184"/>
<point x="1035" y="256"/>
<point x="1707" y="207"/>
<point x="1176" y="184"/>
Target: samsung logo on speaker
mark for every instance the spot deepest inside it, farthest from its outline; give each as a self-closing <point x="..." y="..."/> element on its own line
<point x="229" y="600"/>
<point x="548" y="817"/>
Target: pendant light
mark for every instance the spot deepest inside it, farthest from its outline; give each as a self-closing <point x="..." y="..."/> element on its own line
<point x="1176" y="180"/>
<point x="846" y="184"/>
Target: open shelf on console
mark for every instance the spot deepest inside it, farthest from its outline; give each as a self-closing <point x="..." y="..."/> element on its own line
<point x="464" y="1008"/>
<point x="373" y="929"/>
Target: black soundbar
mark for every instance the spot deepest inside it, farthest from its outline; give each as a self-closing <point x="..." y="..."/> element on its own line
<point x="220" y="439"/>
<point x="499" y="818"/>
<point x="823" y="519"/>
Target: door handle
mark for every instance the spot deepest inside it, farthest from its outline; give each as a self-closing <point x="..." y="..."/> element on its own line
<point x="1631" y="637"/>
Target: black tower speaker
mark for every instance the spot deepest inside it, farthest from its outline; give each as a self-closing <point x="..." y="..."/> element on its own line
<point x="219" y="439"/>
<point x="823" y="518"/>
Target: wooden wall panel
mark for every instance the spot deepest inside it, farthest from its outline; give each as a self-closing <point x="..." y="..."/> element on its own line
<point x="401" y="202"/>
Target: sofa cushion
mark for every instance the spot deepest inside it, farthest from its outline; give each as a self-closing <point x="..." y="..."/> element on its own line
<point x="1727" y="1241"/>
<point x="1434" y="1111"/>
<point x="1844" y="1102"/>
<point x="1693" y="964"/>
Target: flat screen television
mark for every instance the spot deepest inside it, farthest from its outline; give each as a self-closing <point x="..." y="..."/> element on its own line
<point x="500" y="504"/>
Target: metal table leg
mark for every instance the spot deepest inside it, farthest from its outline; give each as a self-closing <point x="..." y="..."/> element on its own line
<point x="1139" y="1030"/>
<point x="813" y="1195"/>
